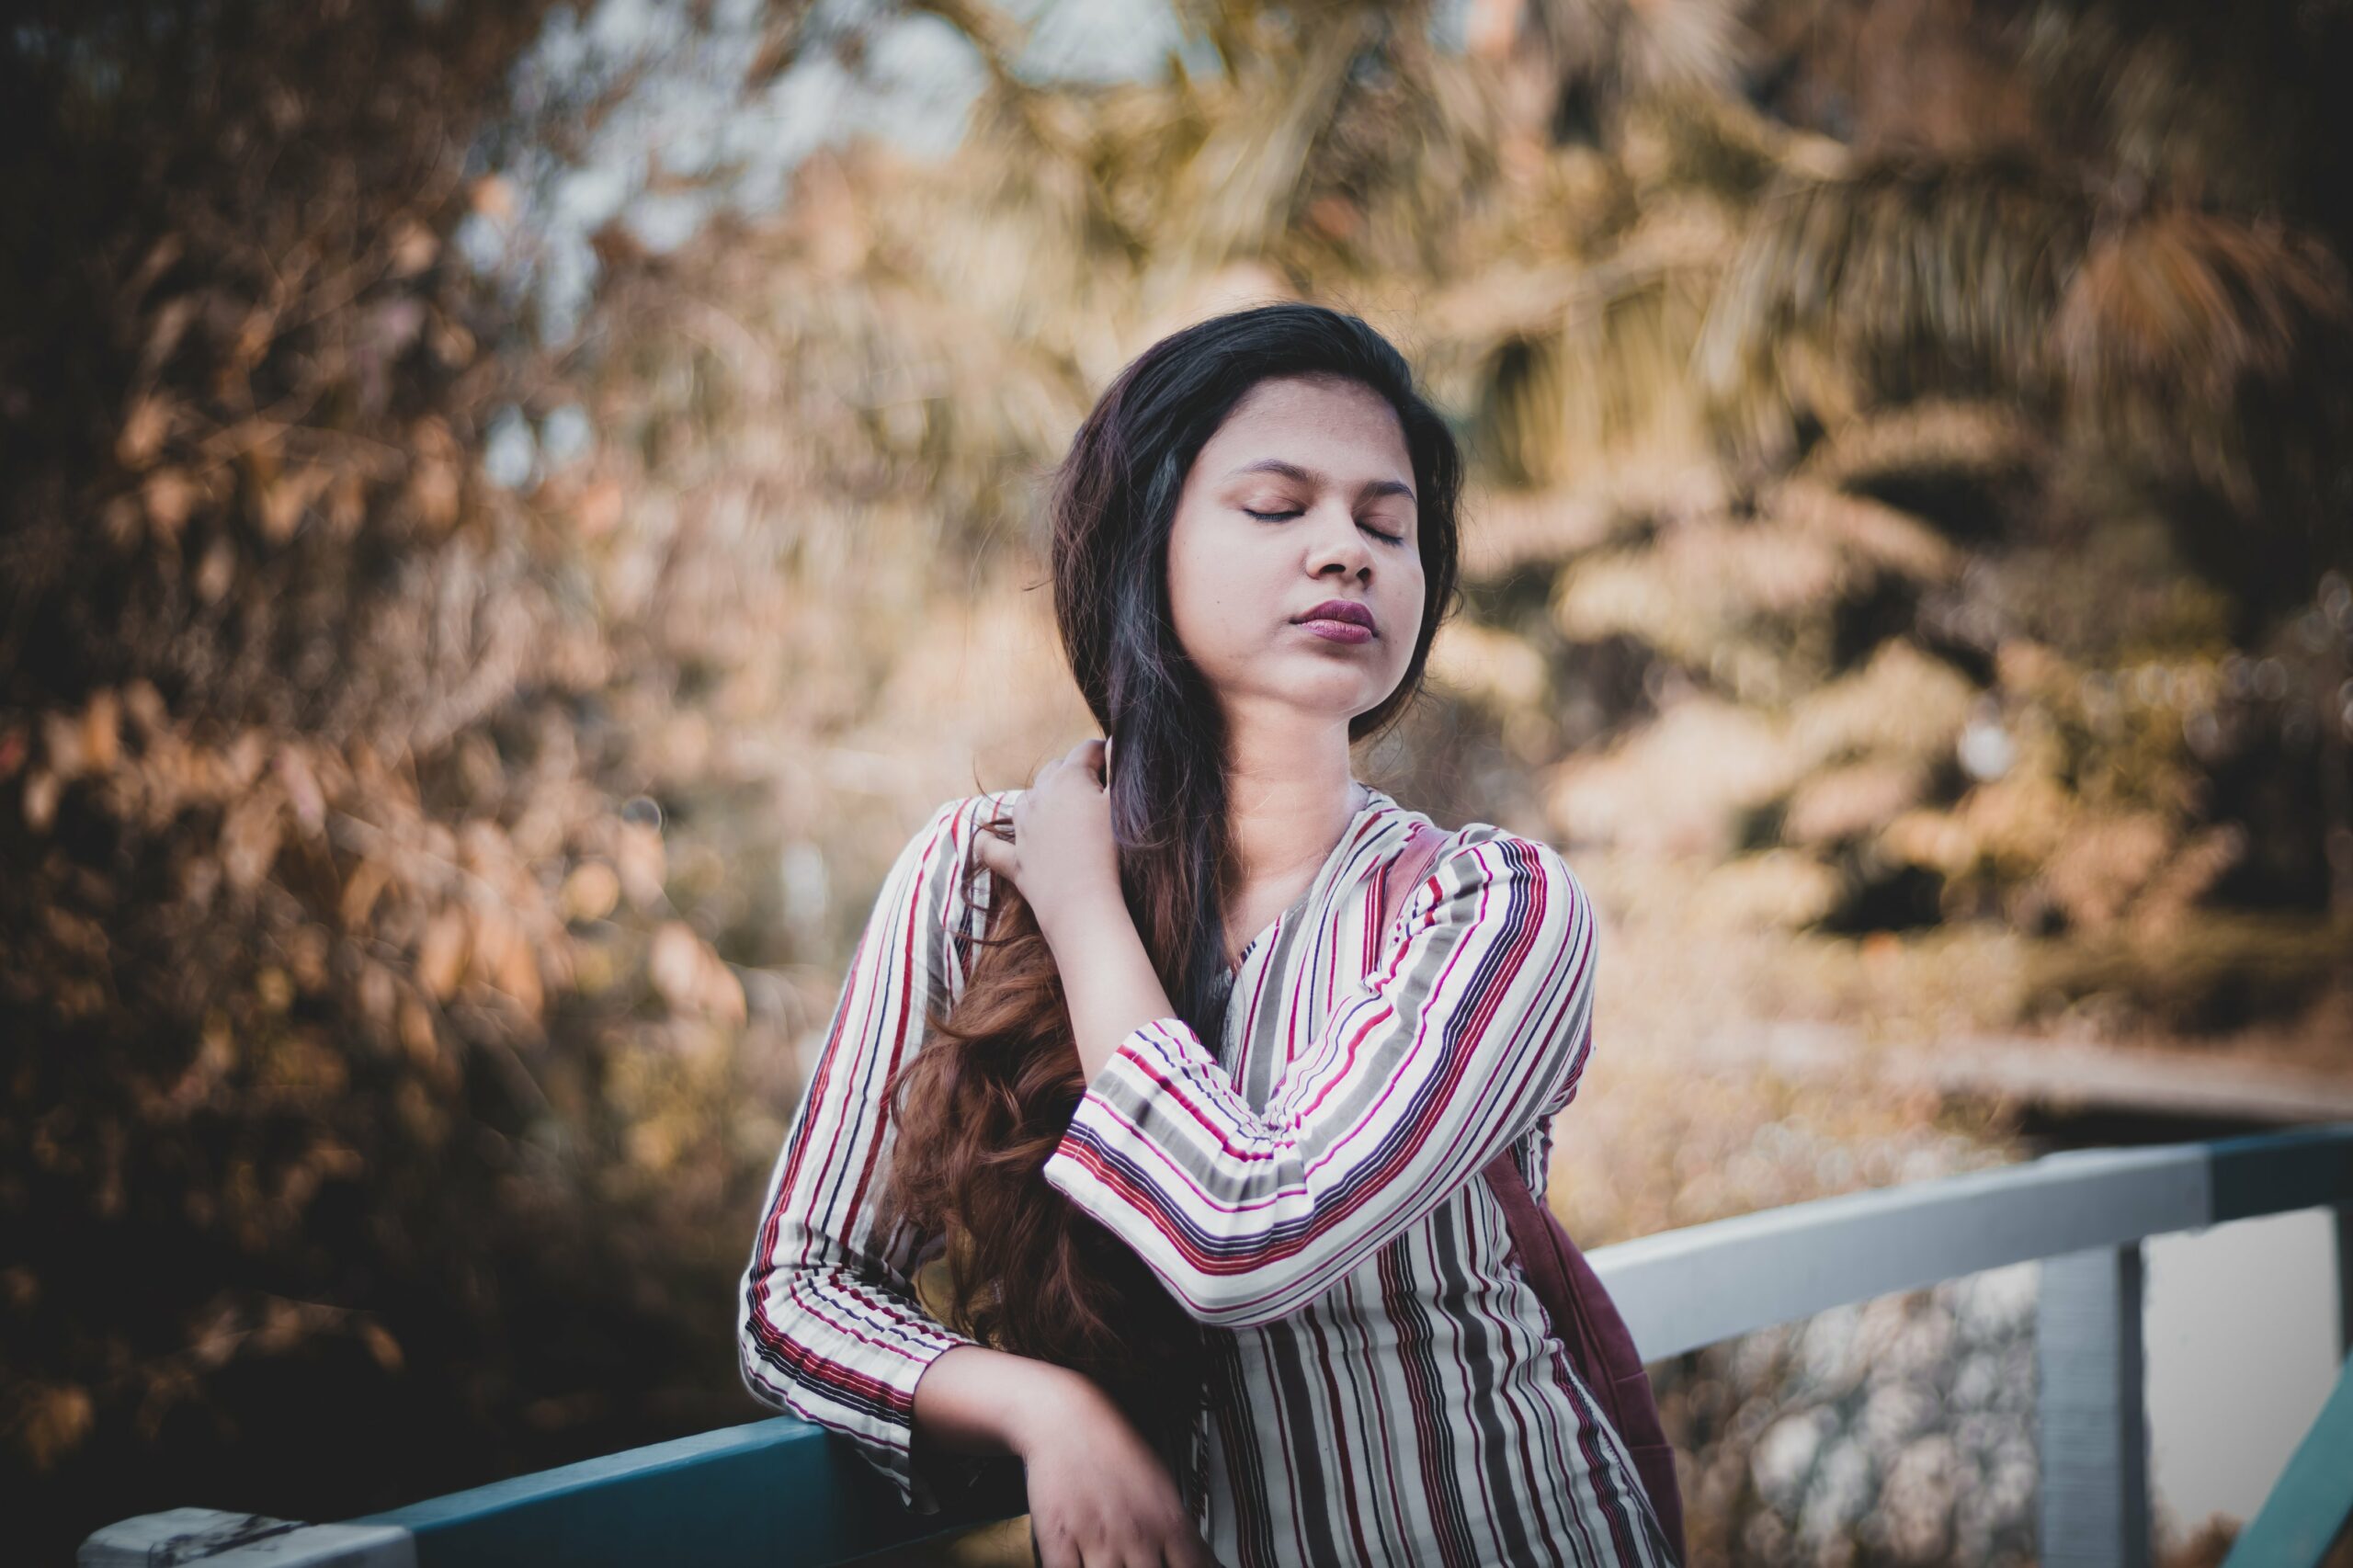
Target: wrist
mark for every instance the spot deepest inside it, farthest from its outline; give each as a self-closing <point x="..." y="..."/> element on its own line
<point x="1080" y="915"/>
<point x="1054" y="1407"/>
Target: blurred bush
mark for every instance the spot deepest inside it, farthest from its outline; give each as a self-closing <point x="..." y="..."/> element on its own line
<point x="348" y="1022"/>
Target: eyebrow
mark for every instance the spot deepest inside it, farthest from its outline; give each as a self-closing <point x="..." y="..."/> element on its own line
<point x="1309" y="476"/>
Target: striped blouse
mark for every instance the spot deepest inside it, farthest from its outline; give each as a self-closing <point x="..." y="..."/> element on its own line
<point x="1385" y="1387"/>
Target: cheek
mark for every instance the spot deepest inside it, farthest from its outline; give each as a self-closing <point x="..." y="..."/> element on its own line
<point x="1204" y="590"/>
<point x="1405" y="610"/>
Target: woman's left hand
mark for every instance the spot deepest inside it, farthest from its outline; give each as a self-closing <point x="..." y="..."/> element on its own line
<point x="1062" y="854"/>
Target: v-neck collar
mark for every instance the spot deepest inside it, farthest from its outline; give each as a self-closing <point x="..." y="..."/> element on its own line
<point x="1376" y="801"/>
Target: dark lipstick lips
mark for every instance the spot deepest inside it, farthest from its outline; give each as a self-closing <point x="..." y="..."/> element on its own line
<point x="1342" y="610"/>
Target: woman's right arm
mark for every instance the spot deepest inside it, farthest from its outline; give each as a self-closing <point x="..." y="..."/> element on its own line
<point x="828" y="1326"/>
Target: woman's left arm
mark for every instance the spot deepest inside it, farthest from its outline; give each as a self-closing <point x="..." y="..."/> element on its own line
<point x="1481" y="1022"/>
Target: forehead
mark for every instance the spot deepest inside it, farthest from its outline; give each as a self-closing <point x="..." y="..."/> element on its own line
<point x="1340" y="428"/>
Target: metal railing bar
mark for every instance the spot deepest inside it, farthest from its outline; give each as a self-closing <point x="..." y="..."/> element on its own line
<point x="2272" y="1173"/>
<point x="2343" y="1229"/>
<point x="778" y="1437"/>
<point x="2091" y="1409"/>
<point x="778" y="1493"/>
<point x="1809" y="1258"/>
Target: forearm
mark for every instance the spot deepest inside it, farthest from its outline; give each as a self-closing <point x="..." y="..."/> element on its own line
<point x="974" y="1399"/>
<point x="1478" y="1026"/>
<point x="1095" y="1490"/>
<point x="1108" y="981"/>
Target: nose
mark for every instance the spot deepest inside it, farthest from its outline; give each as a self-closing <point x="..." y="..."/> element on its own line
<point x="1337" y="541"/>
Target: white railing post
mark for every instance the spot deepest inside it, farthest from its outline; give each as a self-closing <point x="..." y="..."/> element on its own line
<point x="2092" y="1410"/>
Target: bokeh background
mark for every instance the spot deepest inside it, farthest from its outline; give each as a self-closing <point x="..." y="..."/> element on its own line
<point x="513" y="511"/>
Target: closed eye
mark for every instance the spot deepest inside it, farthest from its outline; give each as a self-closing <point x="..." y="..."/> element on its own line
<point x="1277" y="516"/>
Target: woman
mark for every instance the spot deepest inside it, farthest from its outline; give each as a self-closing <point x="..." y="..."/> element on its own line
<point x="1258" y="1311"/>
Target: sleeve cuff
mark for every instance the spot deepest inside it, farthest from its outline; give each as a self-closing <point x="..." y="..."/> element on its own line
<point x="1116" y="1111"/>
<point x="936" y="1479"/>
<point x="942" y="1481"/>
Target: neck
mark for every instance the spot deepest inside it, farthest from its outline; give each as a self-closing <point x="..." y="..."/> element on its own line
<point x="1289" y="797"/>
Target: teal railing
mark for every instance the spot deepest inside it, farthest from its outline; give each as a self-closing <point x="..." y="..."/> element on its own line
<point x="780" y="1494"/>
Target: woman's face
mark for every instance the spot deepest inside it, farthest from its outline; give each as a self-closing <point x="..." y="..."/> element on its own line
<point x="1303" y="496"/>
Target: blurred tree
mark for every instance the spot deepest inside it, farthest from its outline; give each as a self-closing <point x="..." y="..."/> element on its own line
<point x="341" y="996"/>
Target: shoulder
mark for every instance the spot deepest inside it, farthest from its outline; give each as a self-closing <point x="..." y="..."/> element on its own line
<point x="1504" y="875"/>
<point x="952" y="824"/>
<point x="942" y="848"/>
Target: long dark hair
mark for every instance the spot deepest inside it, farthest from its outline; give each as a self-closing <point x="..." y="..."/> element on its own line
<point x="982" y="1106"/>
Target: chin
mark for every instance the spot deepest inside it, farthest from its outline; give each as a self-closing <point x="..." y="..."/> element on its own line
<point x="1338" y="700"/>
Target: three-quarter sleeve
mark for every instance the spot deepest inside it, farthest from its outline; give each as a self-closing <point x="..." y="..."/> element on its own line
<point x="828" y="1326"/>
<point x="1477" y="1025"/>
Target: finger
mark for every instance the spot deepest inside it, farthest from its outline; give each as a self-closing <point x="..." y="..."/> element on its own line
<point x="1157" y="1546"/>
<point x="995" y="853"/>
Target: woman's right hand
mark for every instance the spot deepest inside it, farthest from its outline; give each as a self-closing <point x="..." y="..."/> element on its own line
<point x="1100" y="1497"/>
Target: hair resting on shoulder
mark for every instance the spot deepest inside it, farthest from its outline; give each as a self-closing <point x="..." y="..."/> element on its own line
<point x="983" y="1103"/>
